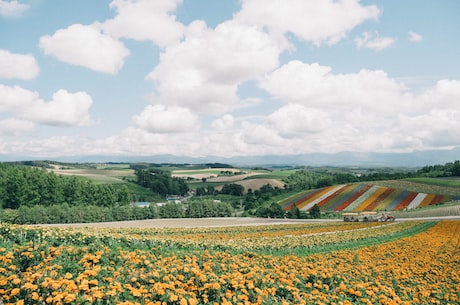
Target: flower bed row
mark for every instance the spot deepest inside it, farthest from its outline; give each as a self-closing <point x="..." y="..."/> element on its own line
<point x="38" y="269"/>
<point x="362" y="197"/>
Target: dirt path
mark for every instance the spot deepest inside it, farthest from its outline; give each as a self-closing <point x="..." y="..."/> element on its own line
<point x="190" y="222"/>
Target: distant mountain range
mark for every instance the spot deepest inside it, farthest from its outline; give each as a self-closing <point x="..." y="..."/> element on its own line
<point x="360" y="159"/>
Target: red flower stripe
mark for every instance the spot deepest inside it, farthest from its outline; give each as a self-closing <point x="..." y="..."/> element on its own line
<point x="331" y="196"/>
<point x="287" y="203"/>
<point x="390" y="199"/>
<point x="345" y="193"/>
<point x="404" y="203"/>
<point x="353" y="198"/>
<point x="438" y="199"/>
<point x="373" y="205"/>
<point x="313" y="196"/>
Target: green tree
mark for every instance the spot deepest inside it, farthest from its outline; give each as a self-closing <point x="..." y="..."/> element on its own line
<point x="294" y="212"/>
<point x="172" y="210"/>
<point x="315" y="212"/>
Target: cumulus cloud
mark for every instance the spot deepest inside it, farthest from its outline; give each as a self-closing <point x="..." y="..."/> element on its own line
<point x="65" y="109"/>
<point x="223" y="123"/>
<point x="374" y="41"/>
<point x="293" y="120"/>
<point x="12" y="9"/>
<point x="415" y="37"/>
<point x="145" y="20"/>
<point x="20" y="66"/>
<point x="15" y="127"/>
<point x="204" y="71"/>
<point x="86" y="46"/>
<point x="163" y="119"/>
<point x="16" y="99"/>
<point x="316" y="85"/>
<point x="318" y="22"/>
<point x="365" y="111"/>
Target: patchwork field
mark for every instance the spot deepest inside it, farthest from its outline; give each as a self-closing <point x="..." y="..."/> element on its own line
<point x="312" y="263"/>
<point x="101" y="175"/>
<point x="363" y="197"/>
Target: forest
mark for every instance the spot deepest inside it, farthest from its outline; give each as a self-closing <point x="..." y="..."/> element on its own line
<point x="29" y="193"/>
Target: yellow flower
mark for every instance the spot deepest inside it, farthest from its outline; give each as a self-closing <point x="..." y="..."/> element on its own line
<point x="14" y="292"/>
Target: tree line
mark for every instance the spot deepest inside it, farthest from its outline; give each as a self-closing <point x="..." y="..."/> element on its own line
<point x="64" y="213"/>
<point x="31" y="195"/>
<point x="29" y="186"/>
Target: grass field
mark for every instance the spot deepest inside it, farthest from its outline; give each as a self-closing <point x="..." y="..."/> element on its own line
<point x="436" y="186"/>
<point x="449" y="182"/>
<point x="413" y="262"/>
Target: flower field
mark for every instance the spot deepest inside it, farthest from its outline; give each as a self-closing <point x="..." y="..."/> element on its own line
<point x="362" y="197"/>
<point x="311" y="263"/>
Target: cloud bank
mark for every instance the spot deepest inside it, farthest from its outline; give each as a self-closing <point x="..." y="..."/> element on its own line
<point x="198" y="105"/>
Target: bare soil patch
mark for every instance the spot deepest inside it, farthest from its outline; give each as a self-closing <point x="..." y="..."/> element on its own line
<point x="256" y="184"/>
<point x="186" y="223"/>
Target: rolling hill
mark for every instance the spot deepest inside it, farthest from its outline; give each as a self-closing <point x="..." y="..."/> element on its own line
<point x="362" y="197"/>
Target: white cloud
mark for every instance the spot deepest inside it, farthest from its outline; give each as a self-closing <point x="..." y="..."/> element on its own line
<point x="223" y="123"/>
<point x="365" y="111"/>
<point x="15" y="127"/>
<point x="293" y="120"/>
<point x="145" y="20"/>
<point x="316" y="86"/>
<point x="15" y="99"/>
<point x="163" y="119"/>
<point x="415" y="37"/>
<point x="86" y="46"/>
<point x="261" y="135"/>
<point x="374" y="41"/>
<point x="203" y="72"/>
<point x="65" y="109"/>
<point x="11" y="9"/>
<point x="325" y="21"/>
<point x="20" y="66"/>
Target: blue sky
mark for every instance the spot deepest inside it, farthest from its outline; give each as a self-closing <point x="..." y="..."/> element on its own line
<point x="228" y="78"/>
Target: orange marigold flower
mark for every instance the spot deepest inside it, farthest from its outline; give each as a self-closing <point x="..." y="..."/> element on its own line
<point x="14" y="292"/>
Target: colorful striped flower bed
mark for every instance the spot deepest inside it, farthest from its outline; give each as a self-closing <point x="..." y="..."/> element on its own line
<point x="362" y="197"/>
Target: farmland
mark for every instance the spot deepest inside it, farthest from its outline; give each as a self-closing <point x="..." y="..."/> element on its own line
<point x="311" y="263"/>
<point x="358" y="197"/>
<point x="245" y="191"/>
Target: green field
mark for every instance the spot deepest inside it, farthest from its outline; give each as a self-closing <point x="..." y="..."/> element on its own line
<point x="437" y="181"/>
<point x="420" y="185"/>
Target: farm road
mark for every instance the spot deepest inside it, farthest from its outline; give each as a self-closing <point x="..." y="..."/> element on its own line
<point x="191" y="222"/>
<point x="214" y="222"/>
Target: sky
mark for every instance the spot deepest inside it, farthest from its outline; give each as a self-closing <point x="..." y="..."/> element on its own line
<point x="228" y="78"/>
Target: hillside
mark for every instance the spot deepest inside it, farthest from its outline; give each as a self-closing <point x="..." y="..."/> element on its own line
<point x="358" y="197"/>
